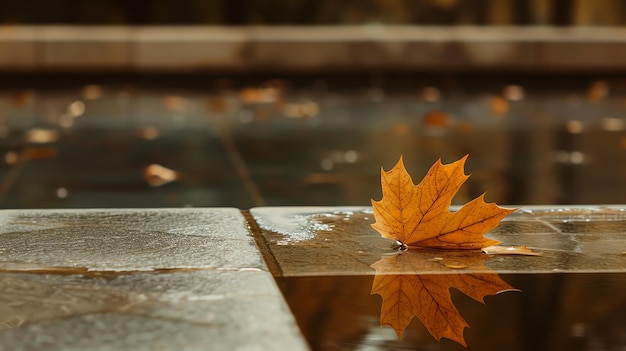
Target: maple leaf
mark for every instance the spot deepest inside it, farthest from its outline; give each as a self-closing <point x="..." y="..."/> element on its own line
<point x="419" y="215"/>
<point x="406" y="294"/>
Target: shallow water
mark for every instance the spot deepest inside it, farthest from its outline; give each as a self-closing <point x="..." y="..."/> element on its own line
<point x="329" y="262"/>
<point x="340" y="241"/>
<point x="312" y="141"/>
<point x="578" y="311"/>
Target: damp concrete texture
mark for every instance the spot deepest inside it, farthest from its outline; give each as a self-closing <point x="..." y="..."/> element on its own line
<point x="331" y="241"/>
<point x="184" y="279"/>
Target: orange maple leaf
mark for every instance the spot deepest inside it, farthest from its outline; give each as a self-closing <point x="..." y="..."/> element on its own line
<point x="418" y="215"/>
<point x="407" y="294"/>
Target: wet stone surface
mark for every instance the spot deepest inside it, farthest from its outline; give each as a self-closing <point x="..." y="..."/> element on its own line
<point x="183" y="279"/>
<point x="569" y="298"/>
<point x="126" y="240"/>
<point x="325" y="241"/>
<point x="202" y="310"/>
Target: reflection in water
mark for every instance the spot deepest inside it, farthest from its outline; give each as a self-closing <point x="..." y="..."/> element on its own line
<point x="326" y="259"/>
<point x="406" y="293"/>
<point x="583" y="311"/>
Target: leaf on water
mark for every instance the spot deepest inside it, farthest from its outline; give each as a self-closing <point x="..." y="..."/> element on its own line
<point x="456" y="266"/>
<point x="418" y="215"/>
<point x="509" y="250"/>
<point x="157" y="175"/>
<point x="406" y="294"/>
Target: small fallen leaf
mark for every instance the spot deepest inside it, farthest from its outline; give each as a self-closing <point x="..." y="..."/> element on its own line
<point x="38" y="153"/>
<point x="514" y="93"/>
<point x="456" y="266"/>
<point x="11" y="157"/>
<point x="148" y="133"/>
<point x="92" y="92"/>
<point x="509" y="250"/>
<point x="418" y="215"/>
<point x="499" y="106"/>
<point x="597" y="91"/>
<point x="409" y="288"/>
<point x="41" y="136"/>
<point x="157" y="175"/>
<point x="436" y="119"/>
<point x="22" y="98"/>
<point x="174" y="103"/>
<point x="217" y="104"/>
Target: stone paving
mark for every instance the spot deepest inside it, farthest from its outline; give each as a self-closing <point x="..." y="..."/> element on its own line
<point x="195" y="279"/>
<point x="318" y="241"/>
<point x="184" y="279"/>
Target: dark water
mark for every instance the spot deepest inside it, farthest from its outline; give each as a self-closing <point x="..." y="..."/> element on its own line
<point x="315" y="140"/>
<point x="578" y="311"/>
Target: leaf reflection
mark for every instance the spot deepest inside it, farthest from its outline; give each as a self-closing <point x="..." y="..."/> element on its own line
<point x="417" y="283"/>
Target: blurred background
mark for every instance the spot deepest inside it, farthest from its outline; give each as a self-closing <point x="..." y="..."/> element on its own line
<point x="301" y="102"/>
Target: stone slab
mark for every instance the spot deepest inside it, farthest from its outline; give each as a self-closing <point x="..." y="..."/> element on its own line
<point x="137" y="279"/>
<point x="126" y="239"/>
<point x="325" y="241"/>
<point x="201" y="310"/>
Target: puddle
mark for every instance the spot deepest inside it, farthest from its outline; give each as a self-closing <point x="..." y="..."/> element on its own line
<point x="341" y="278"/>
<point x="574" y="213"/>
<point x="322" y="141"/>
<point x="339" y="241"/>
<point x="585" y="311"/>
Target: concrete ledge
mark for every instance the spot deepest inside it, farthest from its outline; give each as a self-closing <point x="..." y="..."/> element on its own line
<point x="50" y="48"/>
<point x="137" y="279"/>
